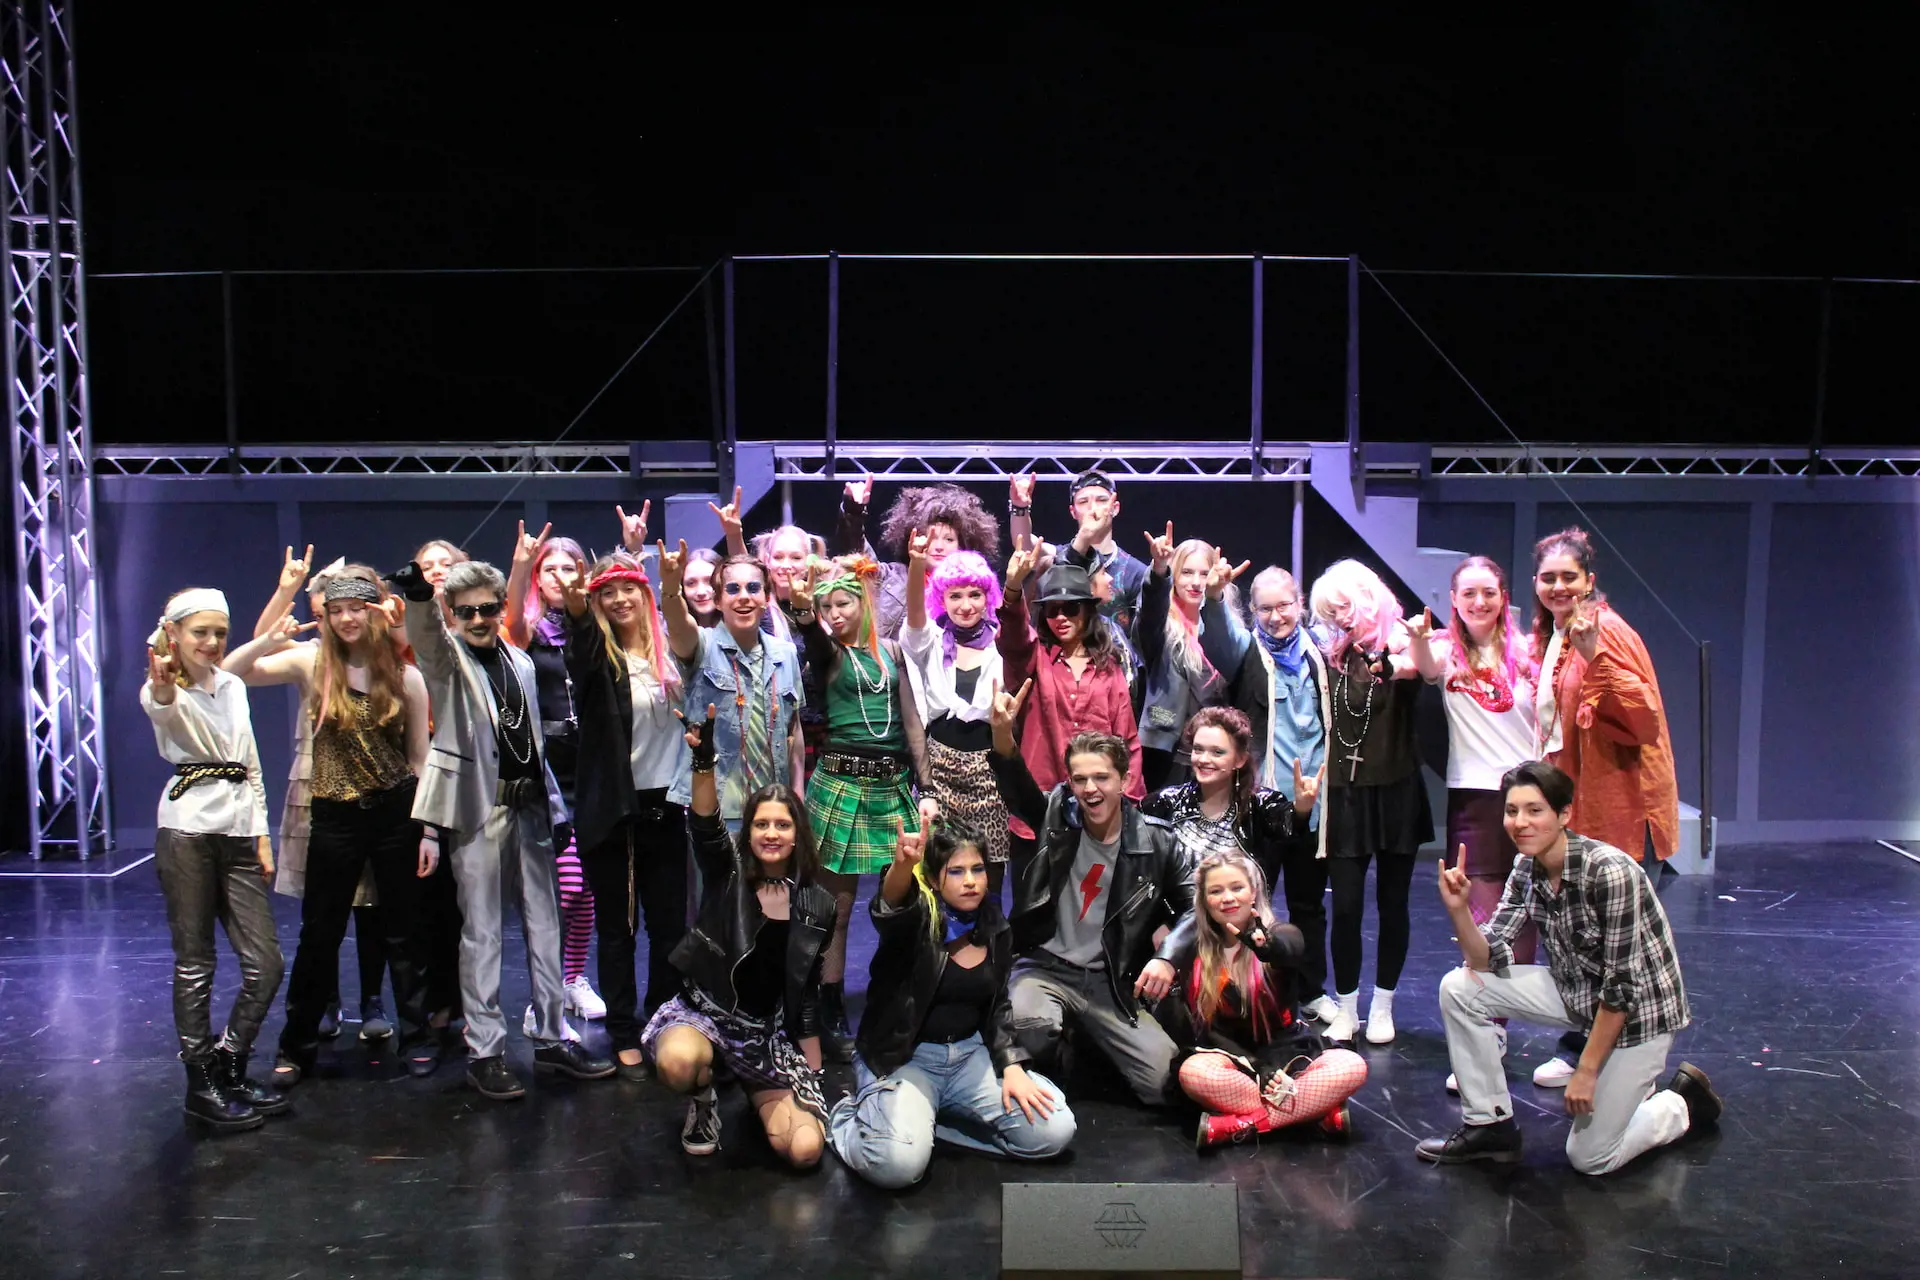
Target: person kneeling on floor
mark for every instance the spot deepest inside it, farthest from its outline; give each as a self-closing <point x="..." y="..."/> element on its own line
<point x="1249" y="1057"/>
<point x="1105" y="878"/>
<point x="937" y="1056"/>
<point x="751" y="1000"/>
<point x="1612" y="970"/>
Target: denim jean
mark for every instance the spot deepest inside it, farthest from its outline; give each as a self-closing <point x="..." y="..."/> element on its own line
<point x="885" y="1132"/>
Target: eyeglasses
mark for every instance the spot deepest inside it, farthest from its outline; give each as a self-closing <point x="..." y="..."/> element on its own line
<point x="1064" y="609"/>
<point x="754" y="588"/>
<point x="468" y="612"/>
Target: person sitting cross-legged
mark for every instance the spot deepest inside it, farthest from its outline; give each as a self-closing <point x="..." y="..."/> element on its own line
<point x="1612" y="970"/>
<point x="937" y="1054"/>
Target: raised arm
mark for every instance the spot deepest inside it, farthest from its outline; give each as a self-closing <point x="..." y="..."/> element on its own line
<point x="426" y="623"/>
<point x="898" y="886"/>
<point x="729" y="517"/>
<point x="1489" y="948"/>
<point x="1020" y="509"/>
<point x="1428" y="651"/>
<point x="1016" y="639"/>
<point x="527" y="554"/>
<point x="683" y="634"/>
<point x="1619" y="682"/>
<point x="271" y="659"/>
<point x="1150" y="624"/>
<point x="1018" y="790"/>
<point x="851" y="532"/>
<point x="1223" y="637"/>
<point x="633" y="529"/>
<point x="917" y="580"/>
<point x="293" y="579"/>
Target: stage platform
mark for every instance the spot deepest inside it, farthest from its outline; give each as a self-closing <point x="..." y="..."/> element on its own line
<point x="1801" y="963"/>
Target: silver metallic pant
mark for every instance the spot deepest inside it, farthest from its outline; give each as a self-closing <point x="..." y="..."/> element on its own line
<point x="510" y="857"/>
<point x="208" y="878"/>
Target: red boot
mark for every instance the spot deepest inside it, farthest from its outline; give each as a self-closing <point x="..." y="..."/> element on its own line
<point x="1220" y="1131"/>
<point x="1337" y="1124"/>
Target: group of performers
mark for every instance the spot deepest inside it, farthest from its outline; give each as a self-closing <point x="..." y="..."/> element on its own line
<point x="1074" y="774"/>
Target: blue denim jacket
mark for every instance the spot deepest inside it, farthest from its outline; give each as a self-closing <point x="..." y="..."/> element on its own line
<point x="710" y="679"/>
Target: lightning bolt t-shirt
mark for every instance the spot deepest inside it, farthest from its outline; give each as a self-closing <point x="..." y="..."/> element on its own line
<point x="1083" y="904"/>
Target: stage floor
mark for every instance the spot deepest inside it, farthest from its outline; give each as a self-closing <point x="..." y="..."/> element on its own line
<point x="1801" y="964"/>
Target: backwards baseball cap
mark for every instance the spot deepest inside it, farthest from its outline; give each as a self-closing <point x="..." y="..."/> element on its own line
<point x="1091" y="480"/>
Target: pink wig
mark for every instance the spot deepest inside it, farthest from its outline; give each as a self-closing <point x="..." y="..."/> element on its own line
<point x="962" y="569"/>
<point x="1376" y="611"/>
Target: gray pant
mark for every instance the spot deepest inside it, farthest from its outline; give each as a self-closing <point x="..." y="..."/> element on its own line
<point x="511" y="856"/>
<point x="1046" y="992"/>
<point x="1630" y="1113"/>
<point x="208" y="878"/>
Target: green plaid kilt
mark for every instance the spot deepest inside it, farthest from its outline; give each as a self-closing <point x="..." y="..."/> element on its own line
<point x="853" y="820"/>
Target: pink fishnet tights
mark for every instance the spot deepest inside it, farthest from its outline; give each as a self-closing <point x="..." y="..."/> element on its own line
<point x="1211" y="1079"/>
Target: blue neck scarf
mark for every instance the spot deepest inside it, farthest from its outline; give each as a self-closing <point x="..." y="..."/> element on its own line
<point x="1289" y="654"/>
<point x="960" y="924"/>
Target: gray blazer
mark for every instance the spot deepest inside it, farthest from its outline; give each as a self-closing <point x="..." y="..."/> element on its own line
<point x="457" y="788"/>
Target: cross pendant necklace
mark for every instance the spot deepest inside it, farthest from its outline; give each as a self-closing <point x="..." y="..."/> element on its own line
<point x="1353" y="765"/>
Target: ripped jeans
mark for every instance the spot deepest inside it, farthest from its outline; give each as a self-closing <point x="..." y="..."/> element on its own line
<point x="886" y="1130"/>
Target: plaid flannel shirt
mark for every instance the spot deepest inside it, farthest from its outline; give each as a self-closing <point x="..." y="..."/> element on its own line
<point x="1607" y="938"/>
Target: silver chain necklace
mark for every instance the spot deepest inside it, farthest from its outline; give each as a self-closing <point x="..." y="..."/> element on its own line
<point x="1346" y="701"/>
<point x="509" y="720"/>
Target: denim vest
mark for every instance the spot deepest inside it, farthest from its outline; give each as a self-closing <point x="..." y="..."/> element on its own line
<point x="710" y="679"/>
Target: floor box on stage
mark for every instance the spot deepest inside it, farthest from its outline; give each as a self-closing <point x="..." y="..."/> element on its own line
<point x="1081" y="1230"/>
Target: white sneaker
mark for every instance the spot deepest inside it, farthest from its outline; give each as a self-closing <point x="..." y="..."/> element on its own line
<point x="1321" y="1008"/>
<point x="1553" y="1073"/>
<point x="1380" y="1018"/>
<point x="700" y="1135"/>
<point x="530" y="1027"/>
<point x="1453" y="1084"/>
<point x="584" y="1000"/>
<point x="1346" y="1019"/>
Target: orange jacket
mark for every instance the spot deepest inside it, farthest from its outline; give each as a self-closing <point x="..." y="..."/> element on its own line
<point x="1615" y="744"/>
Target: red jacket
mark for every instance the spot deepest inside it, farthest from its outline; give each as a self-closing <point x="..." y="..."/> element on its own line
<point x="1615" y="744"/>
<point x="1061" y="706"/>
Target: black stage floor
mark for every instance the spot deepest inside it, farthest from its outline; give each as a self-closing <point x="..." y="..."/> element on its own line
<point x="1801" y="963"/>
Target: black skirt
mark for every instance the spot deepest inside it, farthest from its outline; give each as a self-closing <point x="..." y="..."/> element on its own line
<point x="1392" y="817"/>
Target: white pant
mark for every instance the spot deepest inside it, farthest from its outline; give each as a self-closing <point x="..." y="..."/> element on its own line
<point x="511" y="857"/>
<point x="1630" y="1113"/>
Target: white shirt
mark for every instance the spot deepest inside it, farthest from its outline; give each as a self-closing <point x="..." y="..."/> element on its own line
<point x="213" y="728"/>
<point x="1482" y="744"/>
<point x="1544" y="712"/>
<point x="658" y="744"/>
<point x="932" y="679"/>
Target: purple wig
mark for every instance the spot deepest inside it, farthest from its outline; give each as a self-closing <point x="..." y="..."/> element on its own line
<point x="961" y="569"/>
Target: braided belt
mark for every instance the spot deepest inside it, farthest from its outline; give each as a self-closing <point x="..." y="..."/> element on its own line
<point x="195" y="772"/>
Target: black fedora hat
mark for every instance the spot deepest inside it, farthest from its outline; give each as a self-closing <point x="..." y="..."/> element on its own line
<point x="1066" y="584"/>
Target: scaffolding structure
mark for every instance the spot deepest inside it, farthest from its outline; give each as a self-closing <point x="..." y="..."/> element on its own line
<point x="57" y="612"/>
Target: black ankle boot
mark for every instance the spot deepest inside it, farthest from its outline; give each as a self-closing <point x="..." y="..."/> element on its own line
<point x="230" y="1071"/>
<point x="836" y="1041"/>
<point x="211" y="1104"/>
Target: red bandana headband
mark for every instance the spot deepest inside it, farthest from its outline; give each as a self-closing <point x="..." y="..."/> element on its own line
<point x="620" y="573"/>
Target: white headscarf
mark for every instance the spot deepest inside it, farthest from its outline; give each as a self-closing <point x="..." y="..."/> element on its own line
<point x="185" y="605"/>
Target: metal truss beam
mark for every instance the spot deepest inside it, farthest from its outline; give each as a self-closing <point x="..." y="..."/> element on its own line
<point x="48" y="438"/>
<point x="943" y="460"/>
<point x="1644" y="462"/>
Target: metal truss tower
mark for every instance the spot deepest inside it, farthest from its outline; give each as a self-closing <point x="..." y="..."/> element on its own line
<point x="57" y="613"/>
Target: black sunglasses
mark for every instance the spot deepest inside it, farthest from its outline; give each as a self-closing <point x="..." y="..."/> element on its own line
<point x="1064" y="608"/>
<point x="468" y="612"/>
<point x="754" y="588"/>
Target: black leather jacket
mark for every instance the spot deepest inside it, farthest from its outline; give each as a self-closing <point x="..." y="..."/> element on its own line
<point x="603" y="795"/>
<point x="730" y="921"/>
<point x="907" y="964"/>
<point x="1152" y="881"/>
<point x="1281" y="957"/>
<point x="1262" y="828"/>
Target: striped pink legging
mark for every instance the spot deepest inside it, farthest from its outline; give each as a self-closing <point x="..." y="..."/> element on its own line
<point x="1211" y="1079"/>
<point x="576" y="910"/>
